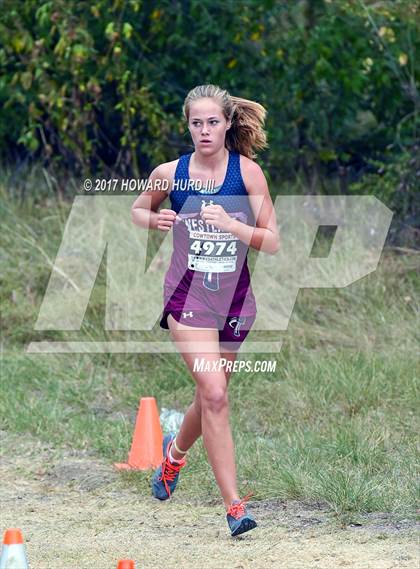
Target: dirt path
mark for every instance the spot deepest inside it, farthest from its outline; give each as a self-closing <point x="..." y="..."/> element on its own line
<point x="76" y="513"/>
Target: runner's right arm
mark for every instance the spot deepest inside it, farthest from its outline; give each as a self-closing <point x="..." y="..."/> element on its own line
<point x="144" y="211"/>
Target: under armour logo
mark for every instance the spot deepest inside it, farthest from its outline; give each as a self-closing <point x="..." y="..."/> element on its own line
<point x="185" y="314"/>
<point x="204" y="203"/>
<point x="236" y="322"/>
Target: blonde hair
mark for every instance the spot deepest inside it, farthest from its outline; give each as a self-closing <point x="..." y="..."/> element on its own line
<point x="246" y="133"/>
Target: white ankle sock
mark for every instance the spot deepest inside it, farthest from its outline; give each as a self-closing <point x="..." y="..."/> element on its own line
<point x="171" y="458"/>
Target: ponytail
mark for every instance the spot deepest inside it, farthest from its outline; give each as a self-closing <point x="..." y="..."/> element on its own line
<point x="246" y="132"/>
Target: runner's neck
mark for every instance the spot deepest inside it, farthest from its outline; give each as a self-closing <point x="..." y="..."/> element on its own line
<point x="209" y="163"/>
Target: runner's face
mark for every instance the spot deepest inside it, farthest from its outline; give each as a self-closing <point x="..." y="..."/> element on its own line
<point x="207" y="125"/>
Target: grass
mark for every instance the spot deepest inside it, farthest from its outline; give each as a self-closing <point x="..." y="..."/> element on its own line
<point x="335" y="423"/>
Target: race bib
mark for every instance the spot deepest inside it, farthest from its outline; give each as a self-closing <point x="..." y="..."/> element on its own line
<point x="212" y="252"/>
<point x="209" y="249"/>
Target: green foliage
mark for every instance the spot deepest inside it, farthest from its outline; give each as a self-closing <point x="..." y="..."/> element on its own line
<point x="395" y="180"/>
<point x="99" y="85"/>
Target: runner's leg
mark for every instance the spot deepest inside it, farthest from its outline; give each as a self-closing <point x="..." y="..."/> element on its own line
<point x="190" y="429"/>
<point x="213" y="400"/>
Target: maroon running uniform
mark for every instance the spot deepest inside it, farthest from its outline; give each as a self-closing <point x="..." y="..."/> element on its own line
<point x="207" y="284"/>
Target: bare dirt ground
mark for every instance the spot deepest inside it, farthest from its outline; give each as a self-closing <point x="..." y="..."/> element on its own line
<point x="77" y="513"/>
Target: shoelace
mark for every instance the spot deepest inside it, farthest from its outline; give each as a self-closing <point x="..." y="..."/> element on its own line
<point x="169" y="471"/>
<point x="238" y="510"/>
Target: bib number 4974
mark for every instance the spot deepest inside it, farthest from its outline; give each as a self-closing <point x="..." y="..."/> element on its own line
<point x="211" y="248"/>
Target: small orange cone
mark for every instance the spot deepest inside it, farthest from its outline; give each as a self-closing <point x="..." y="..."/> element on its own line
<point x="126" y="564"/>
<point x="146" y="448"/>
<point x="13" y="551"/>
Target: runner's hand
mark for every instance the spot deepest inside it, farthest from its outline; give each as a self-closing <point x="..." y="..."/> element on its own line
<point x="166" y="219"/>
<point x="216" y="215"/>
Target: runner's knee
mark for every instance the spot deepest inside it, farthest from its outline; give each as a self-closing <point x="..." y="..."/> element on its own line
<point x="214" y="398"/>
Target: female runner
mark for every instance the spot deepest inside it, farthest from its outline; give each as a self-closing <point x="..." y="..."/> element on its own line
<point x="209" y="305"/>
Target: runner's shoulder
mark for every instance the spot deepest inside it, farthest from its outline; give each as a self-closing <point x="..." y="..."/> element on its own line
<point x="251" y="172"/>
<point x="165" y="171"/>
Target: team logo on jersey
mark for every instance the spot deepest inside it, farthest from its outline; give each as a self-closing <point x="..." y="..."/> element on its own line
<point x="236" y="322"/>
<point x="188" y="314"/>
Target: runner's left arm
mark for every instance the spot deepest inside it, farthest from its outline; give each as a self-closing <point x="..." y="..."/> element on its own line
<point x="264" y="236"/>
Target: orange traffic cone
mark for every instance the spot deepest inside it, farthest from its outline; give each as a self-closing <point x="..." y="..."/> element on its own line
<point x="146" y="448"/>
<point x="126" y="564"/>
<point x="13" y="551"/>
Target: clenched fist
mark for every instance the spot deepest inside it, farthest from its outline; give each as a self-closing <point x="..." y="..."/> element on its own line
<point x="166" y="218"/>
<point x="217" y="216"/>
